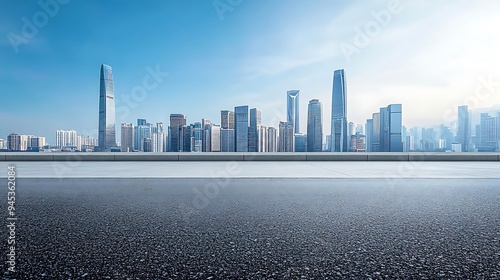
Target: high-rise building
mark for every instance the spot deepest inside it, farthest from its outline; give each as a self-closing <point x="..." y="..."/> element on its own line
<point x="488" y="132"/>
<point x="147" y="145"/>
<point x="158" y="138"/>
<point x="391" y="125"/>
<point x="127" y="136"/>
<point x="227" y="140"/>
<point x="292" y="109"/>
<point x="215" y="138"/>
<point x="241" y="128"/>
<point x="253" y="130"/>
<point x="339" y="112"/>
<point x="272" y="138"/>
<point x="369" y="135"/>
<point x="37" y="143"/>
<point x="26" y="142"/>
<point x="66" y="138"/>
<point x="262" y="139"/>
<point x="464" y="128"/>
<point x="175" y="139"/>
<point x="206" y="126"/>
<point x="186" y="136"/>
<point x="107" y="134"/>
<point x="314" y="126"/>
<point x="142" y="131"/>
<point x="376" y="133"/>
<point x="3" y="144"/>
<point x="227" y="119"/>
<point x="300" y="145"/>
<point x="198" y="133"/>
<point x="286" y="139"/>
<point x="14" y="142"/>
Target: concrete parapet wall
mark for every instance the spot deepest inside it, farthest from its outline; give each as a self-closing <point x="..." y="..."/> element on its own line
<point x="26" y="156"/>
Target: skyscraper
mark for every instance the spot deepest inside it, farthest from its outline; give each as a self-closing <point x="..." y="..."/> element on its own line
<point x="286" y="139"/>
<point x="227" y="119"/>
<point x="369" y="134"/>
<point x="215" y="138"/>
<point x="127" y="133"/>
<point x="339" y="112"/>
<point x="464" y="127"/>
<point x="375" y="141"/>
<point x="227" y="140"/>
<point x="241" y="128"/>
<point x="206" y="126"/>
<point x="292" y="109"/>
<point x="391" y="125"/>
<point x="253" y="131"/>
<point x="142" y="131"/>
<point x="262" y="139"/>
<point x="198" y="138"/>
<point x="488" y="132"/>
<point x="107" y="133"/>
<point x="314" y="126"/>
<point x="271" y="140"/>
<point x="158" y="138"/>
<point x="175" y="139"/>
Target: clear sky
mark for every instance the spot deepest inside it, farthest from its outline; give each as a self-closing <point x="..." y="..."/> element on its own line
<point x="430" y="56"/>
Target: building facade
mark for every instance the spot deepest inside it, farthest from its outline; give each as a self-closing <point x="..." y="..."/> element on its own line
<point x="339" y="112"/>
<point x="107" y="133"/>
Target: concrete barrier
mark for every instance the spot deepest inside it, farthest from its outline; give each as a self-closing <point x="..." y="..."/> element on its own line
<point x="146" y="157"/>
<point x="454" y="157"/>
<point x="27" y="156"/>
<point x="337" y="157"/>
<point x="388" y="156"/>
<point x="275" y="157"/>
<point x="210" y="156"/>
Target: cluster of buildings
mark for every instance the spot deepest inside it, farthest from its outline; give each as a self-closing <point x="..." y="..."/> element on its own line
<point x="241" y="130"/>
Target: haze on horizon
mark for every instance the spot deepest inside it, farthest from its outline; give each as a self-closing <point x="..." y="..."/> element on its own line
<point x="429" y="56"/>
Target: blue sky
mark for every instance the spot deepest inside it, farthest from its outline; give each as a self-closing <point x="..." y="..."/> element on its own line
<point x="428" y="56"/>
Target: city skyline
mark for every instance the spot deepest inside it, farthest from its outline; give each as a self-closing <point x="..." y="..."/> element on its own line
<point x="255" y="62"/>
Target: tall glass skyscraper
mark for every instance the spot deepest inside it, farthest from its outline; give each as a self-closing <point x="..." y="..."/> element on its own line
<point x="107" y="130"/>
<point x="175" y="139"/>
<point x="241" y="128"/>
<point x="253" y="132"/>
<point x="314" y="126"/>
<point x="292" y="109"/>
<point x="391" y="126"/>
<point x="339" y="113"/>
<point x="464" y="127"/>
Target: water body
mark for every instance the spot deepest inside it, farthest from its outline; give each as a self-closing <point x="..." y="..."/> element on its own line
<point x="257" y="228"/>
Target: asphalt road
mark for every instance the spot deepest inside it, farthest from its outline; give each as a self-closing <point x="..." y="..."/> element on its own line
<point x="256" y="228"/>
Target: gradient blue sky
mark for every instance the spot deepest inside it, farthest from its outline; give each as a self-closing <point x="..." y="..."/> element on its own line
<point x="429" y="57"/>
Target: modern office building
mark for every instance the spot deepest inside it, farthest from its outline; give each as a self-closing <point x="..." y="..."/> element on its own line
<point x="37" y="142"/>
<point x="314" y="126"/>
<point x="227" y="140"/>
<point x="107" y="133"/>
<point x="158" y="138"/>
<point x="14" y="142"/>
<point x="272" y="138"/>
<point x="339" y="112"/>
<point x="369" y="134"/>
<point x="197" y="132"/>
<point x="292" y="109"/>
<point x="300" y="145"/>
<point x="206" y="126"/>
<point x="241" y="123"/>
<point x="227" y="119"/>
<point x="186" y="136"/>
<point x="262" y="139"/>
<point x="174" y="138"/>
<point x="215" y="138"/>
<point x="464" y="128"/>
<point x="142" y="131"/>
<point x="489" y="137"/>
<point x="253" y="130"/>
<point x="391" y="125"/>
<point x="375" y="141"/>
<point x="286" y="137"/>
<point x="147" y="146"/>
<point x="127" y="136"/>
